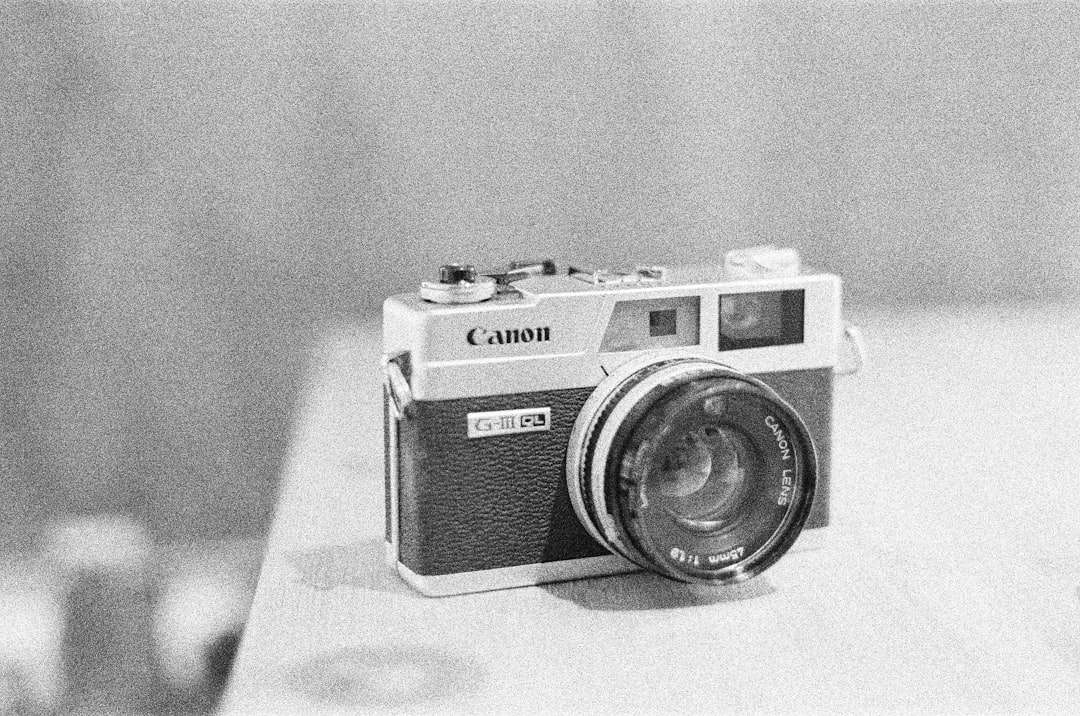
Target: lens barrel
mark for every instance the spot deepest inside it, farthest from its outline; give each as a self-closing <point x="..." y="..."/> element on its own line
<point x="691" y="469"/>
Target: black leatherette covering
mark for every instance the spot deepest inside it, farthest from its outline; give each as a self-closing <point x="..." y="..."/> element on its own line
<point x="485" y="503"/>
<point x="810" y="392"/>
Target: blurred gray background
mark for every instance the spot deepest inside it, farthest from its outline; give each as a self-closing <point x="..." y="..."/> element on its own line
<point x="187" y="190"/>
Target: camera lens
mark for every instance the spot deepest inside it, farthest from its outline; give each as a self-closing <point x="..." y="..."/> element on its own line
<point x="693" y="470"/>
<point x="704" y="475"/>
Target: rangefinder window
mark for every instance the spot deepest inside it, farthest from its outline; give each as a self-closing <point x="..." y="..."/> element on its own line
<point x="758" y="320"/>
<point x="653" y="323"/>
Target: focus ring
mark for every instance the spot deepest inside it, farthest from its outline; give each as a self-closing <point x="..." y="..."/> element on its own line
<point x="590" y="442"/>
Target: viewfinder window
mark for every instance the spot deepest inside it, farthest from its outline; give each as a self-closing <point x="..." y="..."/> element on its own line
<point x="653" y="323"/>
<point x="758" y="320"/>
<point x="662" y="323"/>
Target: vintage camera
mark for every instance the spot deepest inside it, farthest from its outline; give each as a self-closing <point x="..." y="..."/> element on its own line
<point x="544" y="425"/>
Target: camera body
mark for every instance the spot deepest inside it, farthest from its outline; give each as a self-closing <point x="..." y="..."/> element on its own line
<point x="494" y="385"/>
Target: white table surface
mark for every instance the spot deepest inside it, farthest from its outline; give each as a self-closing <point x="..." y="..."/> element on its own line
<point x="950" y="581"/>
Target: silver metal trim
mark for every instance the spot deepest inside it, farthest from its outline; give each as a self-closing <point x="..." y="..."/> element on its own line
<point x="853" y="337"/>
<point x="445" y="366"/>
<point x="393" y="416"/>
<point x="401" y="396"/>
<point x="390" y="552"/>
<point x="444" y="585"/>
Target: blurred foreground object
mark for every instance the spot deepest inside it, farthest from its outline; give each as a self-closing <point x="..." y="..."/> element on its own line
<point x="108" y="643"/>
<point x="199" y="617"/>
<point x="101" y="620"/>
<point x="30" y="634"/>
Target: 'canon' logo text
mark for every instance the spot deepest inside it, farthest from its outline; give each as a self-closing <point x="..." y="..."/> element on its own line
<point x="483" y="336"/>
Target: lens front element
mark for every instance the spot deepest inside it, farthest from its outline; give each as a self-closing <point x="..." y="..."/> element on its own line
<point x="694" y="470"/>
<point x="704" y="476"/>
